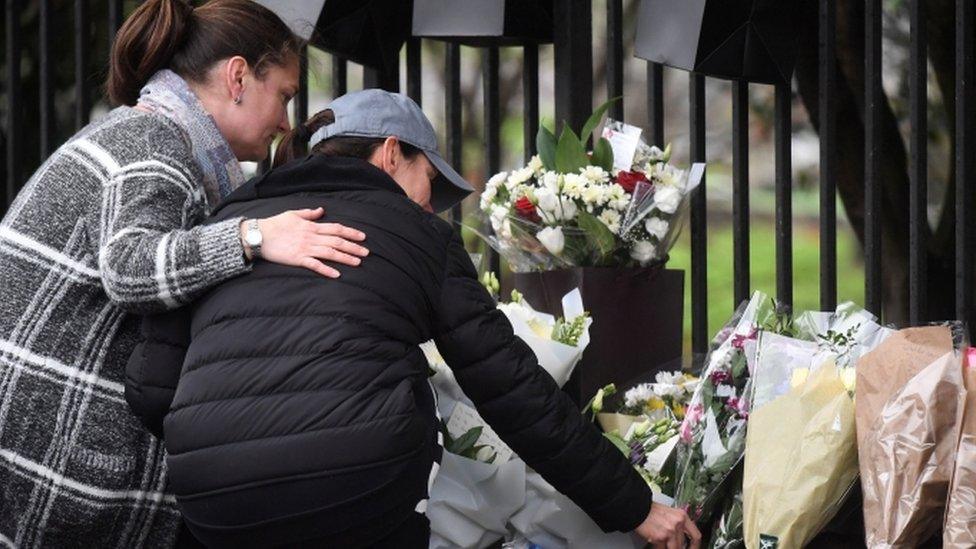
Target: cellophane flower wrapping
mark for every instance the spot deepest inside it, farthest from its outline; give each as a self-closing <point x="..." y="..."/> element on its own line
<point x="910" y="398"/>
<point x="570" y="209"/>
<point x="712" y="434"/>
<point x="960" y="523"/>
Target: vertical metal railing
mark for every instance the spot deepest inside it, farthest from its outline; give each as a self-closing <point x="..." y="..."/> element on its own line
<point x="698" y="223"/>
<point x="827" y="111"/>
<point x="964" y="159"/>
<point x="918" y="167"/>
<point x="452" y="105"/>
<point x="45" y="97"/>
<point x="783" y="122"/>
<point x="340" y="76"/>
<point x="530" y="99"/>
<point x="493" y="125"/>
<point x="615" y="57"/>
<point x="873" y="97"/>
<point x="82" y="46"/>
<point x="13" y="101"/>
<point x="740" y="191"/>
<point x="655" y="103"/>
<point x="414" y="71"/>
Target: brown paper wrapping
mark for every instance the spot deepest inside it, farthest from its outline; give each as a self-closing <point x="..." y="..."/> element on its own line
<point x="960" y="524"/>
<point x="908" y="399"/>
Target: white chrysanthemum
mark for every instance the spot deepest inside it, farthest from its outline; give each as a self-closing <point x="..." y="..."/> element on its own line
<point x="596" y="174"/>
<point x="638" y="395"/>
<point x="496" y="180"/>
<point x="574" y="185"/>
<point x="518" y="177"/>
<point x="535" y="163"/>
<point x="670" y="378"/>
<point x="668" y="176"/>
<point x="552" y="238"/>
<point x="594" y="195"/>
<point x="616" y="197"/>
<point x="610" y="218"/>
<point x="656" y="227"/>
<point x="667" y="199"/>
<point x="642" y="251"/>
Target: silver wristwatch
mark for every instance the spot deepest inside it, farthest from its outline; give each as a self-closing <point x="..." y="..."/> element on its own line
<point x="253" y="238"/>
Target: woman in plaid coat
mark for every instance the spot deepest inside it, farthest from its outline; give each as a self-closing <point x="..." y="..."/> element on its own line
<point x="107" y="227"/>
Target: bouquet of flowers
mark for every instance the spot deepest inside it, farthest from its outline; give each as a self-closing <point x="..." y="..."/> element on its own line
<point x="712" y="434"/>
<point x="645" y="425"/>
<point x="568" y="208"/>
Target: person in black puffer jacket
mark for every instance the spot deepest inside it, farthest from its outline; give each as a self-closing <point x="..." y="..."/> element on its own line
<point x="303" y="414"/>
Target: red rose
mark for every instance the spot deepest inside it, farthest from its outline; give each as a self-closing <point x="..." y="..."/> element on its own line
<point x="526" y="209"/>
<point x="629" y="180"/>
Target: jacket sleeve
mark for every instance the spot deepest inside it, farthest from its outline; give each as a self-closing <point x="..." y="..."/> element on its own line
<point x="501" y="375"/>
<point x="154" y="367"/>
<point x="151" y="258"/>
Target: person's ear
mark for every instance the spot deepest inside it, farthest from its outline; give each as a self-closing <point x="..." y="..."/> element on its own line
<point x="391" y="154"/>
<point x="235" y="69"/>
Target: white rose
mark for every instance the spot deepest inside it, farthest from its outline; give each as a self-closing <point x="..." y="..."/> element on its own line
<point x="574" y="185"/>
<point x="656" y="227"/>
<point x="550" y="181"/>
<point x="535" y="163"/>
<point x="595" y="174"/>
<point x="610" y="218"/>
<point x="567" y="209"/>
<point x="547" y="200"/>
<point x="642" y="251"/>
<point x="552" y="238"/>
<point x="667" y="199"/>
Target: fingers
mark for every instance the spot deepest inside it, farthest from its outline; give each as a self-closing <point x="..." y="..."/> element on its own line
<point x="335" y="229"/>
<point x="310" y="215"/>
<point x="692" y="531"/>
<point x="317" y="266"/>
<point x="329" y="253"/>
<point x="343" y="245"/>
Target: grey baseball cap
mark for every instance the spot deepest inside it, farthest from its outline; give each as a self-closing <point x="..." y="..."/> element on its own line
<point x="379" y="113"/>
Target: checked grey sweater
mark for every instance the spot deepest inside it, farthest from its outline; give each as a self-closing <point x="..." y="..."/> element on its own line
<point x="105" y="228"/>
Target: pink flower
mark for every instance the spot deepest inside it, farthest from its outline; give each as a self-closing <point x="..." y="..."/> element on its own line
<point x="694" y="414"/>
<point x="739" y="340"/>
<point x="685" y="432"/>
<point x="720" y="377"/>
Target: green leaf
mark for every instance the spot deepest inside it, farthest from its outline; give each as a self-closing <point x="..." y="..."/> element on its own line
<point x="466" y="441"/>
<point x="597" y="233"/>
<point x="602" y="155"/>
<point x="545" y="143"/>
<point x="570" y="154"/>
<point x="595" y="118"/>
<point x="615" y="439"/>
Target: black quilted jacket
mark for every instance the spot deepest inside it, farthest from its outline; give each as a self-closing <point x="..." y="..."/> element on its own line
<point x="303" y="403"/>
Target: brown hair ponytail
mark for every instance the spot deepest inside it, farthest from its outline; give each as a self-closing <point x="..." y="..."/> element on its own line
<point x="173" y="34"/>
<point x="146" y="43"/>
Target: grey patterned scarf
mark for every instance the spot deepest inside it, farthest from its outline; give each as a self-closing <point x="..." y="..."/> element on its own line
<point x="168" y="94"/>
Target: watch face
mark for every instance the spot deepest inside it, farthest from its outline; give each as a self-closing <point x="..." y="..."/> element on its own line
<point x="254" y="238"/>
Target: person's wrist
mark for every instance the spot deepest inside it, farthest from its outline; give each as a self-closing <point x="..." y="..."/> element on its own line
<point x="248" y="253"/>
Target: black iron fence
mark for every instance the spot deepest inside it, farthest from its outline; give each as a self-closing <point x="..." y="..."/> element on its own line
<point x="572" y="72"/>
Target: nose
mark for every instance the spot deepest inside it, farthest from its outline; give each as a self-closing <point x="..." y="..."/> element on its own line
<point x="284" y="124"/>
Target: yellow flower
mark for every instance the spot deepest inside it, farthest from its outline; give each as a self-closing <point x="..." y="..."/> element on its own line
<point x="799" y="377"/>
<point x="679" y="411"/>
<point x="654" y="404"/>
